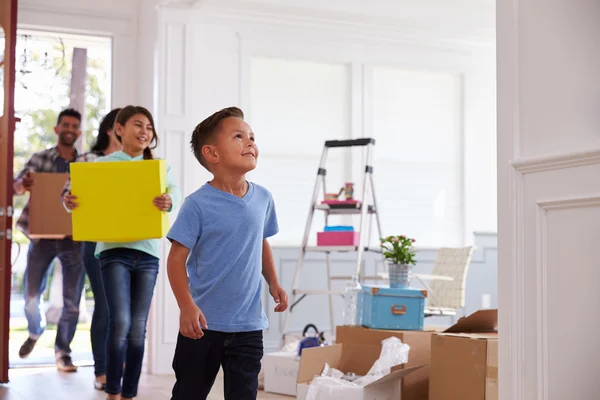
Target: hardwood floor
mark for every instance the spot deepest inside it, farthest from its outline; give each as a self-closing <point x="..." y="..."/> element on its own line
<point x="49" y="384"/>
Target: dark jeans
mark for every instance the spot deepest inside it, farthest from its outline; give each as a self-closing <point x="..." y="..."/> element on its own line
<point x="197" y="362"/>
<point x="129" y="277"/>
<point x="39" y="257"/>
<point x="99" y="328"/>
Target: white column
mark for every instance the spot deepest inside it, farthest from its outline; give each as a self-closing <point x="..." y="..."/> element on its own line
<point x="548" y="197"/>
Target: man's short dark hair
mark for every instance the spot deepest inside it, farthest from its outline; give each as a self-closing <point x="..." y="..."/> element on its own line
<point x="206" y="131"/>
<point x="69" y="112"/>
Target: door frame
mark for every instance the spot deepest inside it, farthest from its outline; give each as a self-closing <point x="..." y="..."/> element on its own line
<point x="8" y="120"/>
<point x="122" y="30"/>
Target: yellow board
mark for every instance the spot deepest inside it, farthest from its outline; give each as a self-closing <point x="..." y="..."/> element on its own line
<point x="115" y="200"/>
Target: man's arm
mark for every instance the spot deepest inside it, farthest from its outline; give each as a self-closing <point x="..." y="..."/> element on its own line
<point x="19" y="187"/>
<point x="24" y="181"/>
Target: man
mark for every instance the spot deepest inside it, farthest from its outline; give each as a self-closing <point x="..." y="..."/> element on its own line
<point x="43" y="251"/>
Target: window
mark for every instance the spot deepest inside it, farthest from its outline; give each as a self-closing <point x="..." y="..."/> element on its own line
<point x="417" y="121"/>
<point x="295" y="107"/>
<point x="42" y="88"/>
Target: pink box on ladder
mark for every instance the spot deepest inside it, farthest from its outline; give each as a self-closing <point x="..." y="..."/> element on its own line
<point x="341" y="238"/>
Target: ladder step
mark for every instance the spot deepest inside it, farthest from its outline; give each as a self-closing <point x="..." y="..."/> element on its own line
<point x="343" y="210"/>
<point x="337" y="249"/>
<point x="324" y="291"/>
<point x="349" y="142"/>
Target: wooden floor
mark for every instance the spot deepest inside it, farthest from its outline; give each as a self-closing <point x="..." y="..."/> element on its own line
<point x="49" y="384"/>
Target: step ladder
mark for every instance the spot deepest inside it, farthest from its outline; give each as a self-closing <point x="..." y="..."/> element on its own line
<point x="364" y="208"/>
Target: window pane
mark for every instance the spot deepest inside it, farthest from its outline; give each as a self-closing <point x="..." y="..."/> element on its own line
<point x="418" y="163"/>
<point x="295" y="107"/>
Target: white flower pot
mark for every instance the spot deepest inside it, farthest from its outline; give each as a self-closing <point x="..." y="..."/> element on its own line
<point x="400" y="275"/>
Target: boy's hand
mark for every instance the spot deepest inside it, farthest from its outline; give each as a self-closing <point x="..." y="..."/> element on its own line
<point x="70" y="202"/>
<point x="280" y="297"/>
<point x="191" y="322"/>
<point x="163" y="202"/>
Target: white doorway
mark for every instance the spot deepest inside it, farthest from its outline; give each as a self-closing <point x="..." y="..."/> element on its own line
<point x="44" y="67"/>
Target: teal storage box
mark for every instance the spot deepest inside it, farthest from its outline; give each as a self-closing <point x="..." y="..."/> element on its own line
<point x="382" y="307"/>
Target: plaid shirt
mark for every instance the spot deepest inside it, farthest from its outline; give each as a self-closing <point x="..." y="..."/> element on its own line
<point x="43" y="161"/>
<point x="86" y="157"/>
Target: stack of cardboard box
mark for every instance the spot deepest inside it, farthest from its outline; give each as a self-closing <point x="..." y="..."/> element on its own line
<point x="460" y="362"/>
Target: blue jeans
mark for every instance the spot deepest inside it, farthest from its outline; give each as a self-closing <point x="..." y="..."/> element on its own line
<point x="129" y="277"/>
<point x="39" y="257"/>
<point x="99" y="328"/>
<point x="197" y="362"/>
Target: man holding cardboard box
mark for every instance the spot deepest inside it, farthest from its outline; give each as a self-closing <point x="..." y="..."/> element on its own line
<point x="45" y="247"/>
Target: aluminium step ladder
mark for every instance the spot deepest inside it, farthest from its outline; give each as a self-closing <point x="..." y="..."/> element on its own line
<point x="363" y="208"/>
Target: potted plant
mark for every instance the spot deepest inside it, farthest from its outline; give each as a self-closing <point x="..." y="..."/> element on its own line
<point x="400" y="254"/>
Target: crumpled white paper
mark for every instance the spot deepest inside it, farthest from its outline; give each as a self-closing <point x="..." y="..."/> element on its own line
<point x="393" y="353"/>
<point x="332" y="372"/>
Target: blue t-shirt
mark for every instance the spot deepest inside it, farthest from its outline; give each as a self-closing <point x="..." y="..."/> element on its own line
<point x="225" y="235"/>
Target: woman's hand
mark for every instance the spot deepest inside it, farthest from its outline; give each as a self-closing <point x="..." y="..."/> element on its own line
<point x="163" y="202"/>
<point x="70" y="202"/>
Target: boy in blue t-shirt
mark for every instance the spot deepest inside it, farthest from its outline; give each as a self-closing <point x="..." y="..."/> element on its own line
<point x="220" y="235"/>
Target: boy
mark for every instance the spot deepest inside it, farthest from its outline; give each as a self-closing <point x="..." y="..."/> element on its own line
<point x="223" y="227"/>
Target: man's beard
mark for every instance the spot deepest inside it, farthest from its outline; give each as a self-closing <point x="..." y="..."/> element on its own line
<point x="67" y="139"/>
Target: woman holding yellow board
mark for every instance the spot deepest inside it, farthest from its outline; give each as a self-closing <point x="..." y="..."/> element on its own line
<point x="129" y="269"/>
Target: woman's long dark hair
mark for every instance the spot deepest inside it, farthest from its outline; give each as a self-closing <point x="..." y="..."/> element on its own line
<point x="125" y="115"/>
<point x="103" y="140"/>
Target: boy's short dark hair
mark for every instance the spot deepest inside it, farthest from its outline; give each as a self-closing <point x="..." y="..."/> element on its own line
<point x="69" y="112"/>
<point x="206" y="130"/>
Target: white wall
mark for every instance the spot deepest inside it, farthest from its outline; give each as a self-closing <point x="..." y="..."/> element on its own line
<point x="548" y="168"/>
<point x="224" y="51"/>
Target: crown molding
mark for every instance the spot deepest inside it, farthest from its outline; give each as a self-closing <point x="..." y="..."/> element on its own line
<point x="419" y="27"/>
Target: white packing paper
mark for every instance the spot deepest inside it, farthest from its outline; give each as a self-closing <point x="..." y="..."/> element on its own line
<point x="331" y="385"/>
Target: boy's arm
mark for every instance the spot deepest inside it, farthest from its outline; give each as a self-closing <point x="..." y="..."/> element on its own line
<point x="270" y="274"/>
<point x="178" y="274"/>
<point x="268" y="264"/>
<point x="183" y="235"/>
<point x="191" y="316"/>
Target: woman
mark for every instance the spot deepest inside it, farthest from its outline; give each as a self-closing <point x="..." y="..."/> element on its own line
<point x="106" y="143"/>
<point x="129" y="270"/>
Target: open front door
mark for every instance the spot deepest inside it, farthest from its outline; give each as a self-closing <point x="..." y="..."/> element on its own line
<point x="8" y="38"/>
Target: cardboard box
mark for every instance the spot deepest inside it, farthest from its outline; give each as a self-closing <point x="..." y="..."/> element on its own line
<point x="115" y="200"/>
<point x="350" y="358"/>
<point x="413" y="387"/>
<point x="48" y="218"/>
<point x="281" y="372"/>
<point x="464" y="359"/>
